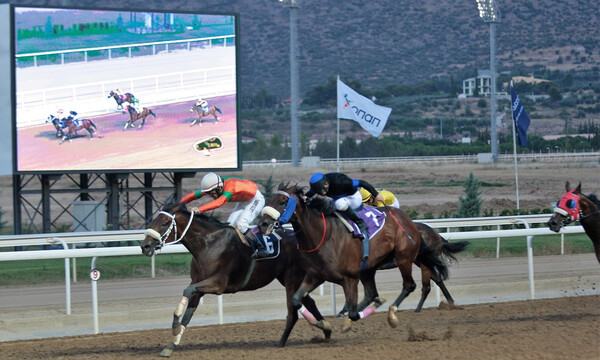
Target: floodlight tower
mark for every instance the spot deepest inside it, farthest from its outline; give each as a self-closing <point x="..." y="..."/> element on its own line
<point x="490" y="13"/>
<point x="292" y="4"/>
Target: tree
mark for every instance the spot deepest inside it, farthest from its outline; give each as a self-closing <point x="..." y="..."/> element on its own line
<point x="470" y="205"/>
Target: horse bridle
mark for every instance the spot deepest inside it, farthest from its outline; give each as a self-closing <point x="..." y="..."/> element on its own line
<point x="172" y="227"/>
<point x="573" y="213"/>
<point x="283" y="218"/>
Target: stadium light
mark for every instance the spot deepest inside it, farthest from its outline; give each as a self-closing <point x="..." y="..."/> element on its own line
<point x="490" y="13"/>
<point x="292" y="4"/>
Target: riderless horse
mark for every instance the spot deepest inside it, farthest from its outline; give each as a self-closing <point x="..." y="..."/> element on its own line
<point x="330" y="252"/>
<point x="574" y="206"/>
<point x="222" y="263"/>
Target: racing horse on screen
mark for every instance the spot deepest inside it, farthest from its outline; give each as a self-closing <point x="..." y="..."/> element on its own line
<point x="331" y="253"/>
<point x="222" y="263"/>
<point x="574" y="206"/>
<point x="134" y="116"/>
<point x="212" y="111"/>
<point x="120" y="98"/>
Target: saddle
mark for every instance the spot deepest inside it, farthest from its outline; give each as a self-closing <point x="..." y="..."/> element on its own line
<point x="272" y="242"/>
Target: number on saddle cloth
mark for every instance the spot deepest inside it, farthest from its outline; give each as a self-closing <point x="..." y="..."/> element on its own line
<point x="374" y="219"/>
<point x="273" y="244"/>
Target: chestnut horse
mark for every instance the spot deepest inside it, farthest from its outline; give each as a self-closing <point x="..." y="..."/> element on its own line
<point x="222" y="263"/>
<point x="574" y="206"/>
<point x="441" y="247"/>
<point x="329" y="252"/>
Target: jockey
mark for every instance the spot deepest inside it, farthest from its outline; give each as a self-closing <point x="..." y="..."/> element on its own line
<point x="250" y="201"/>
<point x="135" y="104"/>
<point x="388" y="198"/>
<point x="345" y="194"/>
<point x="74" y="117"/>
<point x="119" y="92"/>
<point x="202" y="104"/>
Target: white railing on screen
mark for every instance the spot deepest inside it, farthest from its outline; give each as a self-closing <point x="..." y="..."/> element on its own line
<point x="33" y="107"/>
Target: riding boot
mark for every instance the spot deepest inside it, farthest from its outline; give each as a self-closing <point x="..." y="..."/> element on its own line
<point x="259" y="250"/>
<point x="362" y="226"/>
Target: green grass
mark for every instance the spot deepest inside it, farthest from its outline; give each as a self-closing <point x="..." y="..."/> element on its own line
<point x="30" y="272"/>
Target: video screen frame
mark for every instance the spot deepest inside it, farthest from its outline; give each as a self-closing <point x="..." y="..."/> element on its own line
<point x="169" y="61"/>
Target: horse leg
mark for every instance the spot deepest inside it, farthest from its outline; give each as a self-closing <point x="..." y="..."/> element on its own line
<point x="426" y="286"/>
<point x="408" y="286"/>
<point x="180" y="322"/>
<point x="313" y="316"/>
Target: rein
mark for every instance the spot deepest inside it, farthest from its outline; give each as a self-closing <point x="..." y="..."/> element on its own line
<point x="172" y="227"/>
<point x="398" y="223"/>
<point x="322" y="237"/>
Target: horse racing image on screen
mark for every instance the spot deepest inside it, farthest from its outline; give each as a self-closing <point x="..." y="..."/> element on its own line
<point x="124" y="91"/>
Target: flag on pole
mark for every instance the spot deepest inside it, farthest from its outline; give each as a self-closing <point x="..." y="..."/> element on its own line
<point x="520" y="117"/>
<point x="353" y="106"/>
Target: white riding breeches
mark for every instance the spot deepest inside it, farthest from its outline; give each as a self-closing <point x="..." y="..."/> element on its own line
<point x="353" y="201"/>
<point x="245" y="212"/>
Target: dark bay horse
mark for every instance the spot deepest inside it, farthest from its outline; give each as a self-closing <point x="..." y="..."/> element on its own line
<point x="329" y="252"/>
<point x="574" y="206"/>
<point x="120" y="98"/>
<point x="440" y="246"/>
<point x="221" y="263"/>
<point x="212" y="111"/>
<point x="134" y="116"/>
<point x="67" y="130"/>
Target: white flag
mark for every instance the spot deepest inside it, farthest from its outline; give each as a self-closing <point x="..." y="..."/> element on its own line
<point x="353" y="106"/>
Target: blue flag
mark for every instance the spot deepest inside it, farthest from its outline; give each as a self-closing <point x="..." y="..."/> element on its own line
<point x="520" y="117"/>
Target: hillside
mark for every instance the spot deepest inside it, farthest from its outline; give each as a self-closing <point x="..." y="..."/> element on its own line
<point x="393" y="42"/>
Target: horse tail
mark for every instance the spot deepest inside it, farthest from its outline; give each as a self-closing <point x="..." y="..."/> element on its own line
<point x="433" y="262"/>
<point x="93" y="125"/>
<point x="449" y="249"/>
<point x="151" y="113"/>
<point x="218" y="110"/>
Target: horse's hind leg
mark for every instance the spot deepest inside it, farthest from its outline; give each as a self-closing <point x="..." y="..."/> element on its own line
<point x="426" y="287"/>
<point x="180" y="322"/>
<point x="408" y="286"/>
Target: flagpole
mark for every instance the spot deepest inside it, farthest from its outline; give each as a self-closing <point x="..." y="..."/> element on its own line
<point x="338" y="140"/>
<point x="514" y="125"/>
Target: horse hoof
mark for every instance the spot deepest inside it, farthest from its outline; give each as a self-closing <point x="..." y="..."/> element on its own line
<point x="346" y="325"/>
<point x="168" y="351"/>
<point x="392" y="318"/>
<point x="326" y="327"/>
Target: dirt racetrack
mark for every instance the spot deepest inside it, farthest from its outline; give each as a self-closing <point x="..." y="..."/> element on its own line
<point x="561" y="328"/>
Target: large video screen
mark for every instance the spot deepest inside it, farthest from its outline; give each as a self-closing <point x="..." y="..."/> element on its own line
<point x="124" y="91"/>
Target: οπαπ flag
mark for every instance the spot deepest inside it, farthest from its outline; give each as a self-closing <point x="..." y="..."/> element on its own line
<point x="353" y="106"/>
<point x="520" y="117"/>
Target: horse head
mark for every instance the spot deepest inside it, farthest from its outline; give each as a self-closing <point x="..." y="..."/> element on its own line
<point x="281" y="208"/>
<point x="567" y="208"/>
<point x="164" y="228"/>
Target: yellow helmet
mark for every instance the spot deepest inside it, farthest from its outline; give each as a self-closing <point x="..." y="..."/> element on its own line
<point x="366" y="195"/>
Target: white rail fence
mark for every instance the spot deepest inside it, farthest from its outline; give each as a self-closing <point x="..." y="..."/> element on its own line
<point x="132" y="50"/>
<point x="92" y="98"/>
<point x="66" y="239"/>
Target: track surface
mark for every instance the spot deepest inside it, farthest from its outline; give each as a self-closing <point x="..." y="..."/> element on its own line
<point x="490" y="326"/>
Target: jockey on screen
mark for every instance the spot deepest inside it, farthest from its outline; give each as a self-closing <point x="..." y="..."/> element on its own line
<point x="202" y="104"/>
<point x="135" y="104"/>
<point x="65" y="118"/>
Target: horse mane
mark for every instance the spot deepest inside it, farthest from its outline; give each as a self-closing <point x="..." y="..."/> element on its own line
<point x="321" y="203"/>
<point x="593" y="198"/>
<point x="170" y="207"/>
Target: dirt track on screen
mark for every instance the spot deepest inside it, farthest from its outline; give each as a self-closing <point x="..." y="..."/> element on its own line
<point x="563" y="328"/>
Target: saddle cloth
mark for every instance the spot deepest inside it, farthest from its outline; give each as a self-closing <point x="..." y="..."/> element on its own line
<point x="374" y="219"/>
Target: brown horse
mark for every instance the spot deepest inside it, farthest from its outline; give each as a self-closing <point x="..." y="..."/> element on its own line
<point x="212" y="110"/>
<point x="120" y="98"/>
<point x="134" y="116"/>
<point x="440" y="246"/>
<point x="222" y="263"/>
<point x="329" y="252"/>
<point x="574" y="206"/>
<point x="70" y="128"/>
